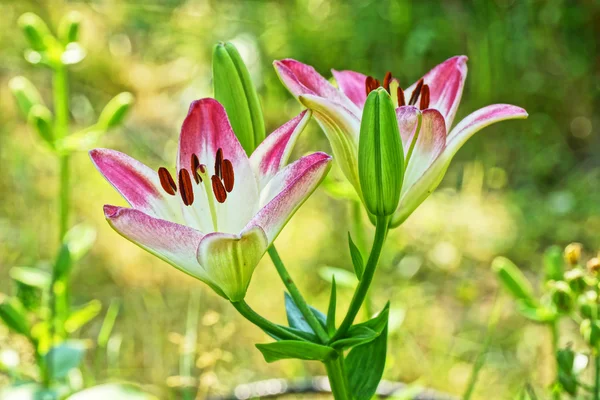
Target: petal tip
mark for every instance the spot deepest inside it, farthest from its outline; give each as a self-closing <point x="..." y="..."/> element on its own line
<point x="111" y="211"/>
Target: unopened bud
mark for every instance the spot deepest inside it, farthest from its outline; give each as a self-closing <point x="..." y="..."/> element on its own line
<point x="513" y="280"/>
<point x="68" y="29"/>
<point x="572" y="253"/>
<point x="562" y="296"/>
<point x="236" y="92"/>
<point x="114" y="112"/>
<point x="380" y="155"/>
<point x="588" y="304"/>
<point x="593" y="265"/>
<point x="590" y="331"/>
<point x="25" y="94"/>
<point x="36" y="31"/>
<point x="40" y="119"/>
<point x="576" y="280"/>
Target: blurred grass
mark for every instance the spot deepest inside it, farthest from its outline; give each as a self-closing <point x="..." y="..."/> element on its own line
<point x="513" y="190"/>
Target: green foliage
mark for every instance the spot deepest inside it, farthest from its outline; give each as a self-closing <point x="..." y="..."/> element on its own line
<point x="357" y="259"/>
<point x="285" y="349"/>
<point x="331" y="310"/>
<point x="364" y="332"/>
<point x="514" y="281"/>
<point x="64" y="357"/>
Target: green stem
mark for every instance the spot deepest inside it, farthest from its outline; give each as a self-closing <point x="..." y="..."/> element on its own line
<point x="338" y="379"/>
<point x="597" y="380"/>
<point x="554" y="337"/>
<point x="263" y="323"/>
<point x="360" y="241"/>
<point x="363" y="287"/>
<point x="297" y="296"/>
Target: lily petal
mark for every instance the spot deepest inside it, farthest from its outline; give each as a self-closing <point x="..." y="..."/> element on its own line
<point x="409" y="123"/>
<point x="206" y="129"/>
<point x="287" y="191"/>
<point x="137" y="183"/>
<point x="446" y="82"/>
<point x="342" y="129"/>
<point x="352" y="84"/>
<point x="273" y="153"/>
<point x="422" y="188"/>
<point x="176" y="244"/>
<point x="230" y="259"/>
<point x="429" y="144"/>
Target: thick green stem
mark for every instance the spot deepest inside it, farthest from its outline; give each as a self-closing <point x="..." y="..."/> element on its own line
<point x="263" y="323"/>
<point x="338" y="379"/>
<point x="363" y="287"/>
<point x="297" y="296"/>
<point x="358" y="233"/>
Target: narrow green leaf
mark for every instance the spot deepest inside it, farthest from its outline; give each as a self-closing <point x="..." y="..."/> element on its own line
<point x="364" y="332"/>
<point x="33" y="277"/>
<point x="365" y="364"/>
<point x="331" y="309"/>
<point x="236" y="92"/>
<point x="295" y="349"/>
<point x="554" y="264"/>
<point x="83" y="315"/>
<point x="296" y="319"/>
<point x="63" y="264"/>
<point x="14" y="315"/>
<point x="40" y="119"/>
<point x="80" y="240"/>
<point x="514" y="281"/>
<point x="357" y="259"/>
<point x="115" y="111"/>
<point x="68" y="28"/>
<point x="342" y="277"/>
<point x="25" y="94"/>
<point x="36" y="31"/>
<point x="108" y="323"/>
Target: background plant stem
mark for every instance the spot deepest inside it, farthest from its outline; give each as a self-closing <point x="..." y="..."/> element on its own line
<point x="363" y="287"/>
<point x="297" y="296"/>
<point x="338" y="379"/>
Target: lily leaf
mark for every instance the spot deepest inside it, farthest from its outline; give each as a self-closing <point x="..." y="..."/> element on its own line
<point x="331" y="310"/>
<point x="357" y="259"/>
<point x="364" y="332"/>
<point x="295" y="349"/>
<point x="296" y="319"/>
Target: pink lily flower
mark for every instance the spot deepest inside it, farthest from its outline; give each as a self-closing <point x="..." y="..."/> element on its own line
<point x="425" y="112"/>
<point x="217" y="217"/>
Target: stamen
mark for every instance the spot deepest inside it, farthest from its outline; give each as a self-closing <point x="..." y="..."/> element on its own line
<point x="377" y="83"/>
<point x="228" y="175"/>
<point x="202" y="168"/>
<point x="401" y="99"/>
<point x="218" y="189"/>
<point x="369" y="84"/>
<point x="218" y="162"/>
<point x="166" y="181"/>
<point x="424" y="97"/>
<point x="415" y="93"/>
<point x="387" y="80"/>
<point x="185" y="187"/>
<point x="195" y="165"/>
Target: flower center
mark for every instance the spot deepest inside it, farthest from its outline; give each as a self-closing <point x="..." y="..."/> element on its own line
<point x="216" y="188"/>
<point x="421" y="92"/>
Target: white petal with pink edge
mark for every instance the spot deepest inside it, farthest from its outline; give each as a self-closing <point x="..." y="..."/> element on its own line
<point x="409" y="123"/>
<point x="229" y="260"/>
<point x="353" y="85"/>
<point x="205" y="130"/>
<point x="137" y="183"/>
<point x="273" y="153"/>
<point x="288" y="190"/>
<point x="432" y="177"/>
<point x="446" y="82"/>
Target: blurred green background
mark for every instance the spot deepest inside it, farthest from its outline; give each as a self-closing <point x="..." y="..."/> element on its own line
<point x="514" y="189"/>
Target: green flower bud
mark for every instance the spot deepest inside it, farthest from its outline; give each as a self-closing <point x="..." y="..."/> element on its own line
<point x="588" y="304"/>
<point x="36" y="31"/>
<point x="68" y="28"/>
<point x="562" y="296"/>
<point x="40" y="119"/>
<point x="576" y="280"/>
<point x="380" y="155"/>
<point x="553" y="264"/>
<point x="114" y="112"/>
<point x="590" y="332"/>
<point x="514" y="281"/>
<point x="235" y="91"/>
<point x="25" y="94"/>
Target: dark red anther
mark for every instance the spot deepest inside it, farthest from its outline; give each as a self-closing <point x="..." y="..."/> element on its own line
<point x="369" y="84"/>
<point x="401" y="99"/>
<point x="415" y="93"/>
<point x="202" y="168"/>
<point x="218" y="162"/>
<point x="377" y="84"/>
<point x="228" y="177"/>
<point x="424" y="97"/>
<point x="166" y="181"/>
<point x="185" y="187"/>
<point x="218" y="189"/>
<point x="195" y="166"/>
<point x="387" y="80"/>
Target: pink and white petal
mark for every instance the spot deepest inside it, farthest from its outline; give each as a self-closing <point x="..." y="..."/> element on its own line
<point x="273" y="153"/>
<point x="429" y="144"/>
<point x="229" y="260"/>
<point x="205" y="130"/>
<point x="409" y="122"/>
<point x="176" y="244"/>
<point x="446" y="82"/>
<point x="137" y="183"/>
<point x="342" y="129"/>
<point x="353" y="85"/>
<point x="301" y="79"/>
<point x="287" y="191"/>
<point x="429" y="181"/>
